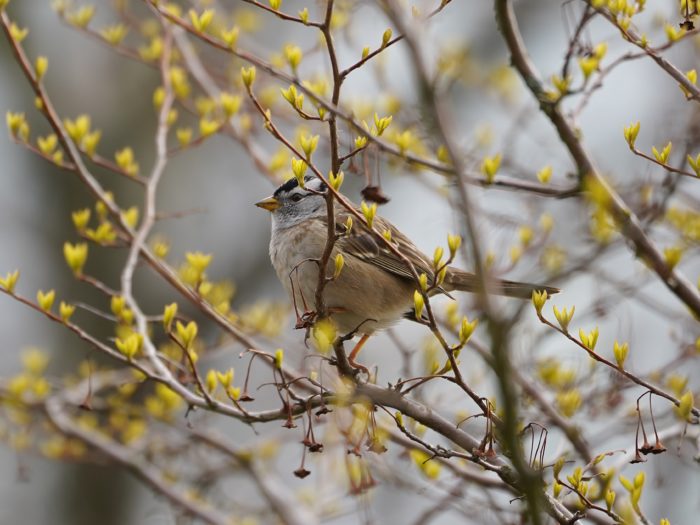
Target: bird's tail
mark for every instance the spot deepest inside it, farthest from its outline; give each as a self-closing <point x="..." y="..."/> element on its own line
<point x="462" y="281"/>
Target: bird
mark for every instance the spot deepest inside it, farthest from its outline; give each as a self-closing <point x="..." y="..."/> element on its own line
<point x="375" y="287"/>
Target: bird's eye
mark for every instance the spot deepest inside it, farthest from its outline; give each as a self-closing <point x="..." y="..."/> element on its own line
<point x="297" y="197"/>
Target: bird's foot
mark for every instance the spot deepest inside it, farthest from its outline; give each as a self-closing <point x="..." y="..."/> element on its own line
<point x="306" y="320"/>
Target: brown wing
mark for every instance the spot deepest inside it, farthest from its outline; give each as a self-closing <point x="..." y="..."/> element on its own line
<point x="362" y="244"/>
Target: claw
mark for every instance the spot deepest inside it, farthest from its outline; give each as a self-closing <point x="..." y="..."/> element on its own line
<point x="306" y="320"/>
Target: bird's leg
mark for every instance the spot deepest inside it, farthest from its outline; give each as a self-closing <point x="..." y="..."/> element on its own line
<point x="307" y="318"/>
<point x="355" y="352"/>
<point x="294" y="302"/>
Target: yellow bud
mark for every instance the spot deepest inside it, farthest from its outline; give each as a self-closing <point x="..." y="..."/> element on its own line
<point x="234" y="393"/>
<point x="45" y="299"/>
<point x="673" y="255"/>
<point x="526" y="235"/>
<point x="57" y="157"/>
<point x="130" y="345"/>
<point x="248" y="76"/>
<point x="662" y="156"/>
<point x="443" y="155"/>
<point x="365" y="52"/>
<point x="169" y="313"/>
<point x="339" y="262"/>
<point x="208" y="127"/>
<point x="610" y="499"/>
<point x="205" y="106"/>
<point x="694" y="163"/>
<point x="538" y="300"/>
<point x="564" y="316"/>
<point x="631" y="133"/>
<point x="600" y="50"/>
<point x="230" y="36"/>
<point x="186" y="334"/>
<point x="626" y="483"/>
<point x="201" y="22"/>
<point x="418" y="303"/>
<point x="620" y="352"/>
<point x="18" y="34"/>
<point x="453" y="243"/>
<point x="9" y="281"/>
<point x="466" y="329"/>
<point x="324" y="333"/>
<point x="369" y="211"/>
<point x="437" y="257"/>
<point x="66" y="310"/>
<point x="34" y="361"/>
<point x="692" y="77"/>
<point x="210" y="381"/>
<point x="304" y="15"/>
<point x="290" y="94"/>
<point x="117" y="304"/>
<point x="40" y="66"/>
<point x="561" y="84"/>
<point x="81" y="18"/>
<point x="198" y="262"/>
<point x="544" y="174"/>
<point x="558" y="465"/>
<point x="293" y="55"/>
<point x="275" y="4"/>
<point x="360" y="142"/>
<point x="78" y="128"/>
<point x="125" y="160"/>
<point x="299" y="170"/>
<point x="47" y="144"/>
<point x="441" y="276"/>
<point x="308" y="144"/>
<point x="114" y="34"/>
<point x="490" y="166"/>
<point x="279" y="357"/>
<point x="230" y="103"/>
<point x="589" y="340"/>
<point x="171" y="117"/>
<point x="184" y="136"/>
<point x="76" y="256"/>
<point x="569" y="402"/>
<point x="380" y="124"/>
<point x="588" y="65"/>
<point x="423" y="281"/>
<point x="386" y="36"/>
<point x="684" y="409"/>
<point x="158" y="97"/>
<point x="672" y="33"/>
<point x="131" y="217"/>
<point x="15" y="122"/>
<point x="556" y="488"/>
<point x="90" y="142"/>
<point x="225" y="379"/>
<point x="336" y="180"/>
<point x="161" y="249"/>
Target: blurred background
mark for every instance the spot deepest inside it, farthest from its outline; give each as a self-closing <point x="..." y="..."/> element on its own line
<point x="218" y="181"/>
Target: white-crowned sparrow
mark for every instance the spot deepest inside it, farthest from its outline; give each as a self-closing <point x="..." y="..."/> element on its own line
<point x="375" y="288"/>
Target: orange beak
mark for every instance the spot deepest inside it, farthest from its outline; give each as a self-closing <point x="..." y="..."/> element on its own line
<point x="270" y="204"/>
